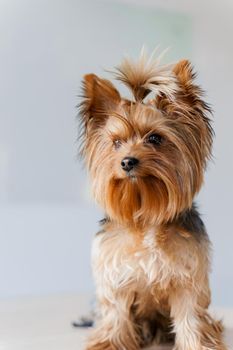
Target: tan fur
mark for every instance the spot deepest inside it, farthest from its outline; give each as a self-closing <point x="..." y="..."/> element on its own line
<point x="151" y="259"/>
<point x="146" y="75"/>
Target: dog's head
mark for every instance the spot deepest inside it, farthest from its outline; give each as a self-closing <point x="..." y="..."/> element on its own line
<point x="146" y="158"/>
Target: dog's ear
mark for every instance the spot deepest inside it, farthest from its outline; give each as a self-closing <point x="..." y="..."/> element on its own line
<point x="100" y="98"/>
<point x="188" y="97"/>
<point x="188" y="107"/>
<point x="184" y="72"/>
<point x="190" y="93"/>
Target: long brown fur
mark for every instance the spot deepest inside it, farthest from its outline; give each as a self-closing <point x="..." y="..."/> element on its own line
<point x="151" y="259"/>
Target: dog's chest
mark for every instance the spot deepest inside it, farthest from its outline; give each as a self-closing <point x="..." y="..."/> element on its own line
<point x="122" y="261"/>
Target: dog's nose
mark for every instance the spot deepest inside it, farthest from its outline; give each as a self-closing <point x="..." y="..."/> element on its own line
<point x="128" y="163"/>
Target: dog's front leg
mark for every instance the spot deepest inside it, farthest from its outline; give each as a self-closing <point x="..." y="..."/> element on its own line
<point x="195" y="329"/>
<point x="115" y="328"/>
<point x="185" y="320"/>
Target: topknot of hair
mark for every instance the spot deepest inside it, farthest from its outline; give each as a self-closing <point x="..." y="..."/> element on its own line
<point x="147" y="75"/>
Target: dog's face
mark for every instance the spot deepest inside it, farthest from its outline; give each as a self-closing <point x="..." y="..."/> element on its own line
<point x="146" y="160"/>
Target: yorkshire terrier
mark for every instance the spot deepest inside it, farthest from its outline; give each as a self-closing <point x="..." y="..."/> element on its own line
<point x="146" y="159"/>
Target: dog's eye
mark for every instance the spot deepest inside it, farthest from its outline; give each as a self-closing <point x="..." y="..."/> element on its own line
<point x="156" y="139"/>
<point x="117" y="143"/>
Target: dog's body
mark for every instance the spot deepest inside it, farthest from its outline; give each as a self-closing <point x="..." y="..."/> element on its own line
<point x="151" y="258"/>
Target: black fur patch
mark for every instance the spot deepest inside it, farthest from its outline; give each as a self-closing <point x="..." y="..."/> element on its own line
<point x="191" y="221"/>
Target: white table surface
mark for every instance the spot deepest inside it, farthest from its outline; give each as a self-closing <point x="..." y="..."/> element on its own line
<point x="44" y="323"/>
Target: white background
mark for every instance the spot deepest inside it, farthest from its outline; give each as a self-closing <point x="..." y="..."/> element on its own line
<point x="46" y="217"/>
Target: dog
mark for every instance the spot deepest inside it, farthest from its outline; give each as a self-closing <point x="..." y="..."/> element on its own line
<point x="146" y="159"/>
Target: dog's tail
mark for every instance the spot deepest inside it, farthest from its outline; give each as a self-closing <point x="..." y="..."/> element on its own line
<point x="147" y="75"/>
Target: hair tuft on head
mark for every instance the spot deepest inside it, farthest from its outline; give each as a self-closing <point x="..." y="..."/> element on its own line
<point x="147" y="75"/>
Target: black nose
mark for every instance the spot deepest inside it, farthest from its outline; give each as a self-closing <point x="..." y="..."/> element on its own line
<point x="128" y="163"/>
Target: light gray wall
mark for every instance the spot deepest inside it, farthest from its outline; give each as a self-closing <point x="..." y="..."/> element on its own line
<point x="213" y="57"/>
<point x="46" y="216"/>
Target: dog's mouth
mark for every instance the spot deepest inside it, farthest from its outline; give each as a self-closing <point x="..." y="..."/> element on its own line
<point x="139" y="173"/>
<point x="132" y="175"/>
